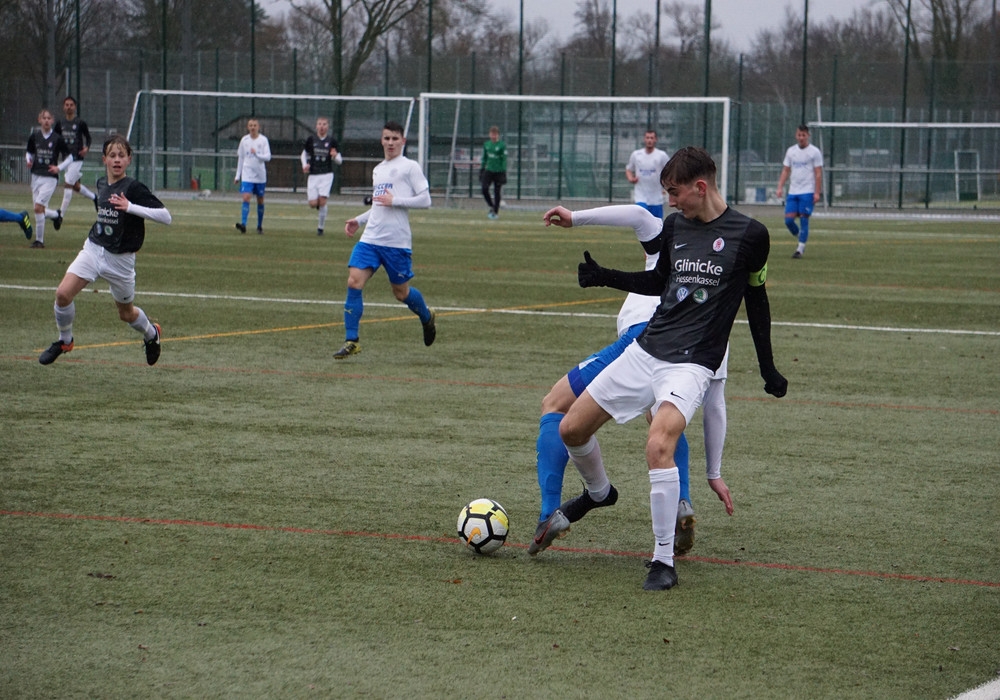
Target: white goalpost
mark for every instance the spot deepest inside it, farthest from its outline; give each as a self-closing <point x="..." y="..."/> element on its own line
<point x="909" y="162"/>
<point x="187" y="130"/>
<point x="561" y="145"/>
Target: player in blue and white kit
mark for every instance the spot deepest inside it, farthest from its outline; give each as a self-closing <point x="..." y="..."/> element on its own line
<point x="47" y="155"/>
<point x="319" y="153"/>
<point x="123" y="204"/>
<point x="399" y="185"/>
<point x="77" y="137"/>
<point x="712" y="259"/>
<point x="20" y="218"/>
<point x="551" y="455"/>
<point x="643" y="171"/>
<point x="251" y="172"/>
<point x="803" y="169"/>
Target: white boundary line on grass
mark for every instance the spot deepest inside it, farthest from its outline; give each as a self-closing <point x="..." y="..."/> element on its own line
<point x="987" y="691"/>
<point x="526" y="312"/>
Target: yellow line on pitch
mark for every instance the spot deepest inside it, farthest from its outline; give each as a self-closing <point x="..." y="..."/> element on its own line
<point x="314" y="326"/>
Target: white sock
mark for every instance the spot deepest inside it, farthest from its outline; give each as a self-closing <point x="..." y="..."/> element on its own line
<point x="142" y="324"/>
<point x="587" y="458"/>
<point x="322" y="217"/>
<point x="89" y="194"/>
<point x="64" y="321"/>
<point x="802" y="247"/>
<point x="67" y="196"/>
<point x="664" y="491"/>
<point x="51" y="213"/>
<point x="40" y="228"/>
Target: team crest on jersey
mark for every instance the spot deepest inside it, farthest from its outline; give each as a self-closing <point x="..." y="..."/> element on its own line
<point x="700" y="296"/>
<point x="718" y="245"/>
<point x="682" y="293"/>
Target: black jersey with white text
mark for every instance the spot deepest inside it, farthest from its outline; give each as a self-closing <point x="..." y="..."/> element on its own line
<point x="46" y="151"/>
<point x="118" y="231"/>
<point x="707" y="267"/>
<point x="75" y="133"/>
<point x="318" y="152"/>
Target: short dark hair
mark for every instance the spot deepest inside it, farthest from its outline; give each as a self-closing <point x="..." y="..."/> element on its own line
<point x="70" y="97"/>
<point x="803" y="127"/>
<point x="393" y="126"/>
<point x="687" y="165"/>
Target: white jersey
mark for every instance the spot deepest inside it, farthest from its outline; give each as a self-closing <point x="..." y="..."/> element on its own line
<point x="250" y="167"/>
<point x="647" y="167"/>
<point x="405" y="181"/>
<point x="803" y="163"/>
<point x="637" y="308"/>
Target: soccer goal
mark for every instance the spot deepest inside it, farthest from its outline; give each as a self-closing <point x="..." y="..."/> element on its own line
<point x="898" y="164"/>
<point x="187" y="139"/>
<point x="562" y="146"/>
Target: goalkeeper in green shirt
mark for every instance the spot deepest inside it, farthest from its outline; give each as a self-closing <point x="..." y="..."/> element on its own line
<point x="493" y="170"/>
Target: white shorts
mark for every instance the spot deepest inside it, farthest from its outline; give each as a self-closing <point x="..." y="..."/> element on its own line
<point x="319" y="186"/>
<point x="42" y="188"/>
<point x="117" y="268"/>
<point x="637" y="381"/>
<point x="73" y="172"/>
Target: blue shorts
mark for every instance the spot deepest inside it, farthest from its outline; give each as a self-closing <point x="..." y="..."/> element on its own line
<point x="398" y="262"/>
<point x="583" y="374"/>
<point x="254" y="188"/>
<point x="799" y="205"/>
<point x="654" y="209"/>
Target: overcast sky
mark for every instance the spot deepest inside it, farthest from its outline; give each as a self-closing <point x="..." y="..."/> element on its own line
<point x="740" y="20"/>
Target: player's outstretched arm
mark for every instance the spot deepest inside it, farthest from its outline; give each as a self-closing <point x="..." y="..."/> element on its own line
<point x="558" y="216"/>
<point x="647" y="282"/>
<point x="759" y="317"/>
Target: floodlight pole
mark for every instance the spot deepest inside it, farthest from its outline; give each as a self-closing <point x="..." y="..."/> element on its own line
<point x="706" y="76"/>
<point x="805" y="59"/>
<point x="520" y="92"/>
<point x="902" y="135"/>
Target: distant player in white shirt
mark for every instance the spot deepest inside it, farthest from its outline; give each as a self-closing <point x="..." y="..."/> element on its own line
<point x="643" y="171"/>
<point x="251" y="172"/>
<point x="399" y="185"/>
<point x="804" y="163"/>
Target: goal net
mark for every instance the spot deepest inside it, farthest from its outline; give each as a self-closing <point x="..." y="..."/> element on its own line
<point x="561" y="147"/>
<point x="900" y="164"/>
<point x="188" y="139"/>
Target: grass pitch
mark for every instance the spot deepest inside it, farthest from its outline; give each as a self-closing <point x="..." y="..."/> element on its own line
<point x="250" y="518"/>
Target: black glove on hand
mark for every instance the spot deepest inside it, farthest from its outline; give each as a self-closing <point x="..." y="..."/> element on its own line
<point x="774" y="383"/>
<point x="589" y="273"/>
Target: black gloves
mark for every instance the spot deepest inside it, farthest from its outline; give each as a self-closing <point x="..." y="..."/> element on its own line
<point x="589" y="273"/>
<point x="774" y="383"/>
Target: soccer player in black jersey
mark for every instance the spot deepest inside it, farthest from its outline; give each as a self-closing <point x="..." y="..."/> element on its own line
<point x="319" y="153"/>
<point x="77" y="137"/>
<point x="46" y="155"/>
<point x="712" y="259"/>
<point x="123" y="205"/>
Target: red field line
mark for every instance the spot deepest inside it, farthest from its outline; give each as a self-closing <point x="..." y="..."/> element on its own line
<point x="424" y="538"/>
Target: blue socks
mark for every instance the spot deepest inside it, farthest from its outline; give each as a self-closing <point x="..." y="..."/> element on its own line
<point x="353" y="308"/>
<point x="415" y="302"/>
<point x="245" y="212"/>
<point x="550" y="461"/>
<point x="804" y="229"/>
<point x="791" y="225"/>
<point x="260" y="216"/>
<point x="681" y="458"/>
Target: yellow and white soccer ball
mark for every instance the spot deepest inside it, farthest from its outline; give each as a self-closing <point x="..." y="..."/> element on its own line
<point x="483" y="525"/>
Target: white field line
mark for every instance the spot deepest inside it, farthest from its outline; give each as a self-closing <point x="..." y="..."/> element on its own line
<point x="524" y="312"/>
<point x="987" y="691"/>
